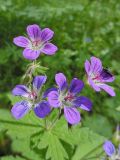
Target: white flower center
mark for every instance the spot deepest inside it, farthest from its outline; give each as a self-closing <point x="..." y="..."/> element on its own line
<point x="36" y="45"/>
<point x="95" y="78"/>
<point x="66" y="99"/>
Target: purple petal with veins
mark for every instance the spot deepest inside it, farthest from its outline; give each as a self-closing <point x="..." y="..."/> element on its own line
<point x="76" y="86"/>
<point x="72" y="115"/>
<point x="42" y="109"/>
<point x="21" y="90"/>
<point x="38" y="82"/>
<point x="61" y="81"/>
<point x="34" y="32"/>
<point x="20" y="109"/>
<point x="46" y="34"/>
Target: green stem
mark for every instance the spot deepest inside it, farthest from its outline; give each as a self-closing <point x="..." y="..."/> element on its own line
<point x="55" y="120"/>
<point x="91" y="158"/>
<point x="45" y="121"/>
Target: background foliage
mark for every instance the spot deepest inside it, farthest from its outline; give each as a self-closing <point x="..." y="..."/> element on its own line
<point x="82" y="28"/>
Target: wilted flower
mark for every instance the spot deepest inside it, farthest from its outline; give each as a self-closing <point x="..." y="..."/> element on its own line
<point x="67" y="98"/>
<point x="98" y="76"/>
<point x="112" y="153"/>
<point x="36" y="43"/>
<point x="31" y="99"/>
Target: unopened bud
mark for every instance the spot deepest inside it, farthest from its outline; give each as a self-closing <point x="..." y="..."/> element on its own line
<point x="116" y="137"/>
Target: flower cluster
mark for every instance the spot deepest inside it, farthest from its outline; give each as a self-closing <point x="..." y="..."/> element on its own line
<point x="64" y="97"/>
<point x="111" y="151"/>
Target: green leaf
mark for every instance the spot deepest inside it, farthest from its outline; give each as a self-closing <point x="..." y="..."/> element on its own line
<point x="51" y="142"/>
<point x="61" y="142"/>
<point x="55" y="148"/>
<point x="96" y="123"/>
<point x="41" y="70"/>
<point x="21" y="131"/>
<point x="96" y="154"/>
<point x="118" y="108"/>
<point x="88" y="141"/>
<point x="22" y="146"/>
<point x="12" y="158"/>
<point x="23" y="127"/>
<point x="13" y="99"/>
<point x="32" y="140"/>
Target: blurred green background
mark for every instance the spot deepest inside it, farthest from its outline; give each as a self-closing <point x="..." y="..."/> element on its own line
<point x="83" y="28"/>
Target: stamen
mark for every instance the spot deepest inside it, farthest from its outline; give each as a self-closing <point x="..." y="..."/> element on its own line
<point x="96" y="78"/>
<point x="33" y="95"/>
<point x="36" y="45"/>
<point x="69" y="97"/>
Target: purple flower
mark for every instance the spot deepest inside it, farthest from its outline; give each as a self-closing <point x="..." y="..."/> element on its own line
<point x="67" y="98"/>
<point x="20" y="109"/>
<point x="109" y="148"/>
<point x="38" y="42"/>
<point x="98" y="76"/>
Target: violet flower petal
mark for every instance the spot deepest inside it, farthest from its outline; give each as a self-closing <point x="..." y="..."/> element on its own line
<point x="109" y="80"/>
<point x="53" y="99"/>
<point x="31" y="54"/>
<point x="49" y="49"/>
<point x="106" y="76"/>
<point x="21" y="41"/>
<point x="61" y="81"/>
<point x="48" y="91"/>
<point x="38" y="82"/>
<point x="21" y="90"/>
<point x="83" y="102"/>
<point x="46" y="34"/>
<point x="96" y="65"/>
<point x="42" y="109"/>
<point x="76" y="86"/>
<point x="109" y="148"/>
<point x="34" y="32"/>
<point x="93" y="85"/>
<point x="107" y="89"/>
<point x="87" y="66"/>
<point x="20" y="109"/>
<point x="72" y="115"/>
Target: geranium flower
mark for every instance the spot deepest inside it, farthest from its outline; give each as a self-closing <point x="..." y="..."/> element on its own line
<point x="31" y="99"/>
<point x="98" y="76"/>
<point x="67" y="98"/>
<point x="38" y="42"/>
<point x="112" y="153"/>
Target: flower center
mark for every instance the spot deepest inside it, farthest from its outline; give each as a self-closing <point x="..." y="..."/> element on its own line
<point x="69" y="97"/>
<point x="66" y="99"/>
<point x="33" y="95"/>
<point x="36" y="45"/>
<point x="95" y="77"/>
